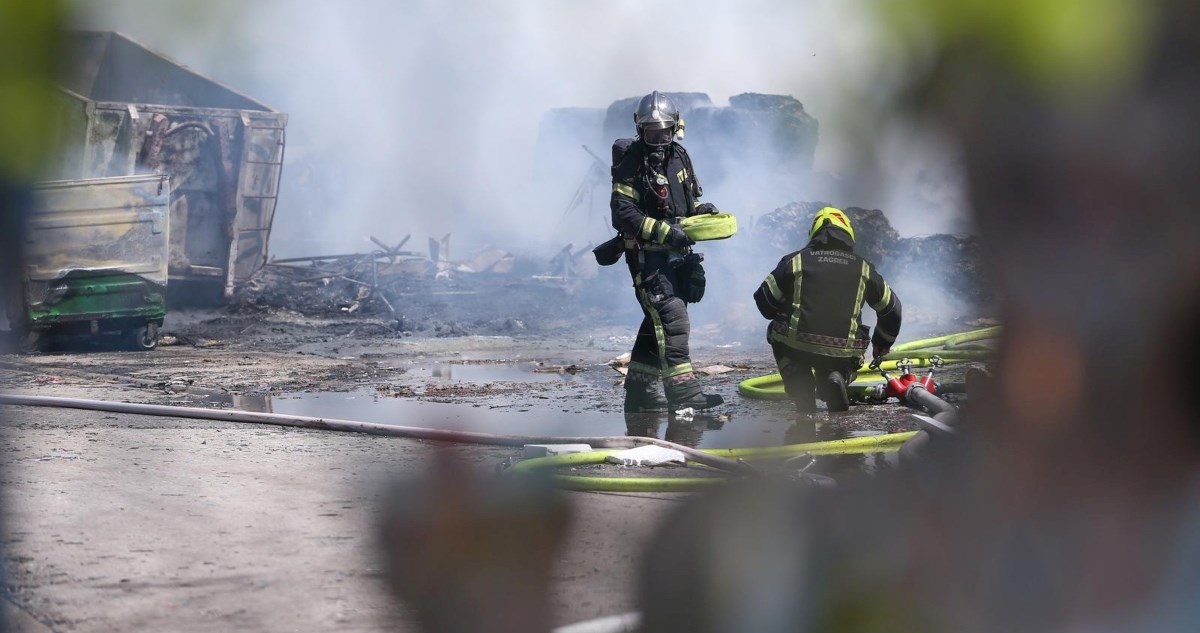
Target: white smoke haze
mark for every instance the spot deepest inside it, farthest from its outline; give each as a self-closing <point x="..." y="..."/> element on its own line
<point x="422" y="117"/>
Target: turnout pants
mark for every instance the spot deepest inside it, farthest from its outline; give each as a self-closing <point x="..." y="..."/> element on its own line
<point x="805" y="372"/>
<point x="661" y="347"/>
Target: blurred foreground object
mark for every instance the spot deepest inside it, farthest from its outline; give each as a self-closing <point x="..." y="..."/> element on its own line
<point x="1073" y="501"/>
<point x="471" y="553"/>
<point x="29" y="61"/>
<point x="1078" y="126"/>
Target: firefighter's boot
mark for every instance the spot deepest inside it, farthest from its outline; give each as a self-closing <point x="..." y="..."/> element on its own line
<point x="684" y="392"/>
<point x="833" y="392"/>
<point x="641" y="393"/>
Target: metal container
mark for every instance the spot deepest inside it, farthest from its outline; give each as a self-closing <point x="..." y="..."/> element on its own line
<point x="95" y="256"/>
<point x="128" y="110"/>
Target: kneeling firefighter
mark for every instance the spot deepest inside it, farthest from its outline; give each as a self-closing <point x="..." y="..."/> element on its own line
<point x="654" y="187"/>
<point x="814" y="299"/>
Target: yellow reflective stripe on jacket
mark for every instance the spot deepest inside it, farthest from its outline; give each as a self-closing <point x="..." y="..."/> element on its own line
<point x="682" y="175"/>
<point x="856" y="309"/>
<point x="887" y="298"/>
<point x="662" y="231"/>
<point x="773" y="287"/>
<point x="797" y="269"/>
<point x="626" y="190"/>
<point x="647" y="227"/>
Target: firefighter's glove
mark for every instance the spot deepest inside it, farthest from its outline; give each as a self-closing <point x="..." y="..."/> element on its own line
<point x="677" y="239"/>
<point x="707" y="207"/>
<point x="879" y="351"/>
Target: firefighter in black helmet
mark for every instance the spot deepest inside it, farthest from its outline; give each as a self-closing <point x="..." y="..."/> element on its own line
<point x="814" y="299"/>
<point x="654" y="186"/>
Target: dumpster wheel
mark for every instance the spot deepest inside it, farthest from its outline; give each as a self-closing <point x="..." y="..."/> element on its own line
<point x="143" y="337"/>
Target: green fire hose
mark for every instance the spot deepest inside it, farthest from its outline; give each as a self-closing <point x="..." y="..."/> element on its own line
<point x="709" y="226"/>
<point x="610" y="484"/>
<point x="594" y="483"/>
<point x="949" y="340"/>
<point x="961" y="347"/>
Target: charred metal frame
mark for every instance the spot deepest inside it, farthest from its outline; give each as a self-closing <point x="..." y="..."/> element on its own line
<point x="223" y="150"/>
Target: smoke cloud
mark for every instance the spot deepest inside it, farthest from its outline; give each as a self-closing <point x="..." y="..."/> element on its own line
<point x="422" y="117"/>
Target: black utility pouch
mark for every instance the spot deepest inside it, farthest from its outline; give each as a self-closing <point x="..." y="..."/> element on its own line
<point x="691" y="276"/>
<point x="610" y="252"/>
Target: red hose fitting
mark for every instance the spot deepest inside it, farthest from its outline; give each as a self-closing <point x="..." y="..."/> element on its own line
<point x="898" y="387"/>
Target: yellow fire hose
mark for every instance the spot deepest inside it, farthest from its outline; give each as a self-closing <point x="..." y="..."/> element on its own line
<point x="594" y="483"/>
<point x="948" y="340"/>
<point x="949" y="348"/>
<point x="920" y="352"/>
<point x="709" y="226"/>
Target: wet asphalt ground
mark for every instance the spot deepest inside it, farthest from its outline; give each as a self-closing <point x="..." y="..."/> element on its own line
<point x="121" y="522"/>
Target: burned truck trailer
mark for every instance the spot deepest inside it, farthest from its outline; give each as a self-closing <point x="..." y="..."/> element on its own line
<point x="127" y="110"/>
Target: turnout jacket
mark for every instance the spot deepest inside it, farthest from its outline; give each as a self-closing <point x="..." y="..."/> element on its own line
<point x="636" y="211"/>
<point x="814" y="299"/>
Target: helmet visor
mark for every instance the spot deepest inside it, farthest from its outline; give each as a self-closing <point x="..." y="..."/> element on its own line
<point x="658" y="136"/>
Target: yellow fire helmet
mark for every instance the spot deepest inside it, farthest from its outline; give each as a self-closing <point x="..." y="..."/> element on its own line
<point x="709" y="226"/>
<point x="830" y="216"/>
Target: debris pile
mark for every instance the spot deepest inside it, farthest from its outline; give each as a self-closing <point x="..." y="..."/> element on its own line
<point x="950" y="263"/>
<point x="493" y="292"/>
<point x="360" y="282"/>
<point x="786" y="229"/>
<point x="325" y="287"/>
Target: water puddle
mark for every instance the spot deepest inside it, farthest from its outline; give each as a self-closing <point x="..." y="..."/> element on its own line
<point x="771" y="426"/>
<point x="841" y="466"/>
<point x="508" y="419"/>
<point x="485" y="373"/>
<point x="500" y="419"/>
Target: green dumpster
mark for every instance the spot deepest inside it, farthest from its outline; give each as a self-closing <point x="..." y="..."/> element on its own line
<point x="95" y="260"/>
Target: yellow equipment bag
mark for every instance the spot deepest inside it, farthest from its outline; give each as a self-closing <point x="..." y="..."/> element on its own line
<point x="709" y="226"/>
